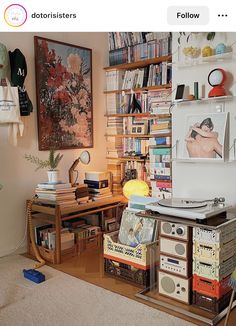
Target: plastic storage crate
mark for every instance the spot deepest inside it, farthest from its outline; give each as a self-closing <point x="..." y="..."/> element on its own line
<point x="211" y="304"/>
<point x="141" y="256"/>
<point x="212" y="270"/>
<point x="223" y="234"/>
<point x="214" y="252"/>
<point x="125" y="272"/>
<point x="211" y="288"/>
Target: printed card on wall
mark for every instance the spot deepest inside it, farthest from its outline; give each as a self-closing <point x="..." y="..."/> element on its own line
<point x="204" y="136"/>
<point x="64" y="95"/>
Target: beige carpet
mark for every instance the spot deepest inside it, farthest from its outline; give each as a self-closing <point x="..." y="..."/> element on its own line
<point x="67" y="301"/>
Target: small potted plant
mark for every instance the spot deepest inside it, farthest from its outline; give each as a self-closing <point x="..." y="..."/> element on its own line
<point x="51" y="163"/>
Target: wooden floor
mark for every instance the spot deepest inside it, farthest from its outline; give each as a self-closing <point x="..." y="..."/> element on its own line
<point x="89" y="267"/>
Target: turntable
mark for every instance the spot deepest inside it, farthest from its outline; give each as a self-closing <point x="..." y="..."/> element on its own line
<point x="189" y="208"/>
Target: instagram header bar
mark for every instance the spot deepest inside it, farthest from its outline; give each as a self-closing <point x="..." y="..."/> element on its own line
<point x="118" y="15"/>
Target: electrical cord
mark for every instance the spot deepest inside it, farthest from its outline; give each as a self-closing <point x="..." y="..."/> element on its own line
<point x="32" y="238"/>
<point x="35" y="248"/>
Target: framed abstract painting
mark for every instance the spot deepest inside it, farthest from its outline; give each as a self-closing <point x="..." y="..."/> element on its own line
<point x="64" y="95"/>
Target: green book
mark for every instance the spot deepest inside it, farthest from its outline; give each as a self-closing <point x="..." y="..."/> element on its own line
<point x="161" y="151"/>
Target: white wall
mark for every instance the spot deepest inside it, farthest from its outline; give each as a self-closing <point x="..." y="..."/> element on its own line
<point x="204" y="180"/>
<point x="16" y="174"/>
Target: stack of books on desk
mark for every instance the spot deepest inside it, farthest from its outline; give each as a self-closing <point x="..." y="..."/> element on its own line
<point x="98" y="185"/>
<point x="56" y="193"/>
<point x="82" y="194"/>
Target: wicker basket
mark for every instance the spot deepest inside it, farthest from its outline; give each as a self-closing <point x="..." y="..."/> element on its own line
<point x="140" y="257"/>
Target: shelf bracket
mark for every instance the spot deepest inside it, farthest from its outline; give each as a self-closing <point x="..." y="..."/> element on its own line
<point x="233" y="147"/>
<point x="176" y="147"/>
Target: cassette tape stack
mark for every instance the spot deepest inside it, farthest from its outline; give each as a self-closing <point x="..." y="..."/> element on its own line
<point x="213" y="263"/>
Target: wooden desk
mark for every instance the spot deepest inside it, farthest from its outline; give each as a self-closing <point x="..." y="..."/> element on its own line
<point x="56" y="214"/>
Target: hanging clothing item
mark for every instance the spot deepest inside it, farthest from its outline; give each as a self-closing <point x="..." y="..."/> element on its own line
<point x="10" y="112"/>
<point x="4" y="61"/>
<point x="18" y="75"/>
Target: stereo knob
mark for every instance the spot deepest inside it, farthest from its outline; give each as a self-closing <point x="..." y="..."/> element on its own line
<point x="180" y="230"/>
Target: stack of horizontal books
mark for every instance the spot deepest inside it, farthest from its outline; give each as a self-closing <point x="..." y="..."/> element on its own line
<point x="82" y="194"/>
<point x="98" y="185"/>
<point x="56" y="193"/>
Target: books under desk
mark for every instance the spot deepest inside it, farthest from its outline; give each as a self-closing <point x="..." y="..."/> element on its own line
<point x="54" y="223"/>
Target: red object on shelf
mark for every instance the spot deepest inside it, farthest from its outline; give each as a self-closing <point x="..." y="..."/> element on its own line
<point x="216" y="79"/>
<point x="211" y="288"/>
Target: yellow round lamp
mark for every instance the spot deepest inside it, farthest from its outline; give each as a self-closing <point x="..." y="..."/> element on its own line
<point x="135" y="187"/>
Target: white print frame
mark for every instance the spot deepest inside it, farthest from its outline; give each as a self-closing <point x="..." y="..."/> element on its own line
<point x="204" y="137"/>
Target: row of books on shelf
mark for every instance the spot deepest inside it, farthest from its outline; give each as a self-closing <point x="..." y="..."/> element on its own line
<point x="160" y="168"/>
<point x="138" y="170"/>
<point x="151" y="75"/>
<point x="133" y="147"/>
<point x="45" y="235"/>
<point x="142" y="51"/>
<point x="119" y="40"/>
<point x="138" y="125"/>
<point x="161" y="189"/>
<point x="153" y="102"/>
<point x="160" y="126"/>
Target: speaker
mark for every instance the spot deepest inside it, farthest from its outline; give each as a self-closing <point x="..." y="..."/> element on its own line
<point x="175" y="248"/>
<point x="174" y="287"/>
<point x="173" y="230"/>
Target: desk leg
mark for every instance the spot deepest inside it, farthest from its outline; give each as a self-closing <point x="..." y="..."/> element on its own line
<point x="102" y="221"/>
<point x="58" y="235"/>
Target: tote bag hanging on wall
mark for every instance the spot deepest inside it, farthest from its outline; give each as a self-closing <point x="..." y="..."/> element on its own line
<point x="10" y="111"/>
<point x="9" y="104"/>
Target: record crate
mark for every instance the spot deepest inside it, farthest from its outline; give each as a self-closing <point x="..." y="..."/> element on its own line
<point x="213" y="270"/>
<point x="224" y="234"/>
<point x="126" y="272"/>
<point x="141" y="256"/>
<point x="209" y="303"/>
<point x="213" y="251"/>
<point x="210" y="287"/>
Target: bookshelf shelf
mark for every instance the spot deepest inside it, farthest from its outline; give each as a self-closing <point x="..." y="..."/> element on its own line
<point x="139" y="90"/>
<point x="141" y="115"/>
<point x="206" y="100"/>
<point x="217" y="58"/>
<point x="159" y="146"/>
<point x="139" y="64"/>
<point x="140" y="136"/>
<point x="126" y="159"/>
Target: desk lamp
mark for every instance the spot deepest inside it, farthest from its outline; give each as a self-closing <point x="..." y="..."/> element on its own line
<point x="135" y="187"/>
<point x="83" y="158"/>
